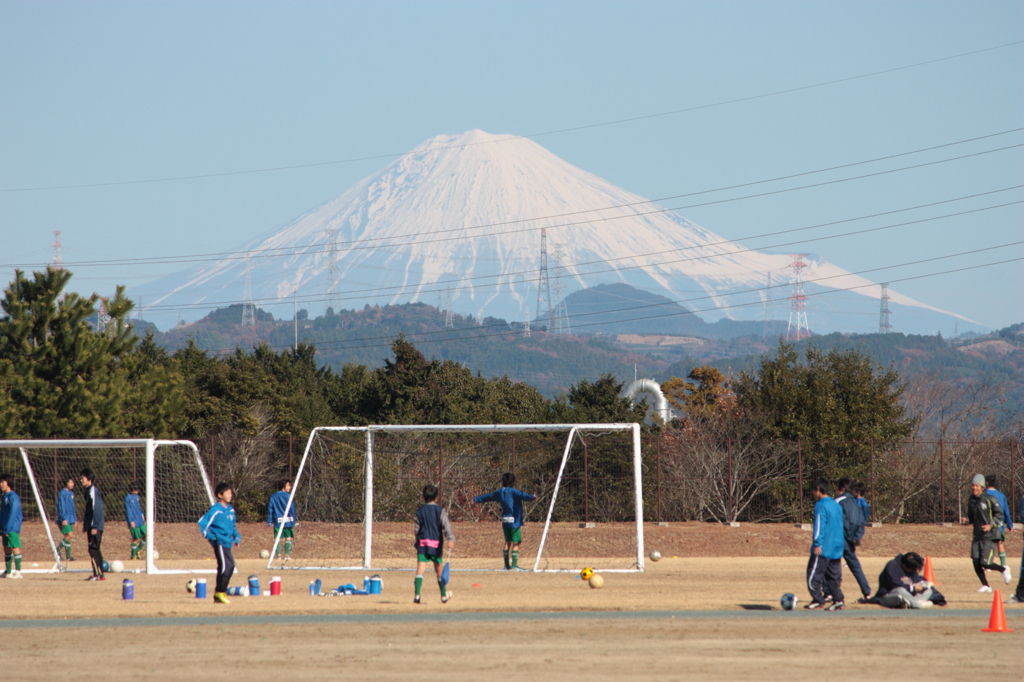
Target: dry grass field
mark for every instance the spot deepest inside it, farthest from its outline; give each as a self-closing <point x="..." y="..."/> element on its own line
<point x="703" y="615"/>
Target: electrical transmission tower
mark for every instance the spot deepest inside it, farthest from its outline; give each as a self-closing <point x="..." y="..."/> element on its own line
<point x="767" y="303"/>
<point x="550" y="294"/>
<point x="797" y="328"/>
<point x="543" y="281"/>
<point x="449" y="318"/>
<point x="883" y="314"/>
<point x="331" y="292"/>
<point x="58" y="252"/>
<point x="248" y="309"/>
<point x="526" y="322"/>
<point x="102" y="318"/>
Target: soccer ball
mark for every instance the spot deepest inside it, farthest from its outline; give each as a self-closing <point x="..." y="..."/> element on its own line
<point x="586" y="573"/>
<point x="156" y="555"/>
<point x="190" y="586"/>
<point x="655" y="555"/>
<point x="116" y="566"/>
<point x="105" y="567"/>
<point x="596" y="581"/>
<point x="788" y="601"/>
<point x="264" y="553"/>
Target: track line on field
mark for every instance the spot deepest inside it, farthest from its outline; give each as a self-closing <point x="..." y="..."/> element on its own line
<point x="472" y="616"/>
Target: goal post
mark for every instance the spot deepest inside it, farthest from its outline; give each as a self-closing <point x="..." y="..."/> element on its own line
<point x="172" y="478"/>
<point x="371" y="476"/>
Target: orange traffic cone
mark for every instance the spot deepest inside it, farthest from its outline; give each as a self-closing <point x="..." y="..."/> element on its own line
<point x="997" y="620"/>
<point x="929" y="575"/>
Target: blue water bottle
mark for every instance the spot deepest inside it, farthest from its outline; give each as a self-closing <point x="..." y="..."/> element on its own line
<point x="201" y="588"/>
<point x="254" y="586"/>
<point x="127" y="590"/>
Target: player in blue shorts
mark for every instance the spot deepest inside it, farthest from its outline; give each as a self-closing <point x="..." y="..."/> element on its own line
<point x="431" y="530"/>
<point x="67" y="517"/>
<point x="136" y="521"/>
<point x="10" y="527"/>
<point x="511" y="501"/>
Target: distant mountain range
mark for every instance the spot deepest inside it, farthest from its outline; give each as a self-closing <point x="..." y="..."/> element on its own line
<point x="458" y="223"/>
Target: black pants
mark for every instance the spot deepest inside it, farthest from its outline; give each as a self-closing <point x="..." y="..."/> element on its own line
<point x="225" y="566"/>
<point x="828" y="571"/>
<point x="850" y="555"/>
<point x="1020" y="581"/>
<point x="981" y="566"/>
<point x="95" y="553"/>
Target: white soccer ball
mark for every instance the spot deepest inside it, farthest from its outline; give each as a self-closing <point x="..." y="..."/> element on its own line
<point x="596" y="581"/>
<point x="190" y="586"/>
<point x="116" y="566"/>
<point x="788" y="601"/>
<point x="264" y="553"/>
<point x="156" y="555"/>
<point x="655" y="555"/>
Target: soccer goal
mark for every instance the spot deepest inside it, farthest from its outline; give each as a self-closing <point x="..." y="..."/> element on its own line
<point x="357" y="489"/>
<point x="175" y="492"/>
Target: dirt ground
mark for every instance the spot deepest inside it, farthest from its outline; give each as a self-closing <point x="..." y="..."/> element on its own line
<point x="710" y="613"/>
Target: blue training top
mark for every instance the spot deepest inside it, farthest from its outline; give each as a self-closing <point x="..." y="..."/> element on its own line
<point x="511" y="501"/>
<point x="218" y="525"/>
<point x="276" y="514"/>
<point x="828" y="528"/>
<point x="66" y="507"/>
<point x="1005" y="505"/>
<point x="133" y="511"/>
<point x="10" y="513"/>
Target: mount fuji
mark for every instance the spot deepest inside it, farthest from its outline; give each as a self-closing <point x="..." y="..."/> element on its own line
<point x="458" y="222"/>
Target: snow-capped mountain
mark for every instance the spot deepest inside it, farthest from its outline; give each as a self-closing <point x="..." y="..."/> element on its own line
<point x="459" y="219"/>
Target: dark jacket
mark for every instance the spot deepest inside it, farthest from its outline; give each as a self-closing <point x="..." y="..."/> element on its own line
<point x="984" y="510"/>
<point x="853" y="518"/>
<point x="92" y="519"/>
<point x="893" y="576"/>
<point x="432" y="528"/>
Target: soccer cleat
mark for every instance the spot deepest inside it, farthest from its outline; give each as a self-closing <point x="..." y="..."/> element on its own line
<point x="445" y="598"/>
<point x="416" y="599"/>
<point x="865" y="600"/>
<point x="1007" y="577"/>
<point x="95" y="578"/>
<point x="15" y="575"/>
<point x="1014" y="599"/>
<point x="220" y="598"/>
<point x="984" y="588"/>
<point x="814" y="605"/>
<point x="836" y="606"/>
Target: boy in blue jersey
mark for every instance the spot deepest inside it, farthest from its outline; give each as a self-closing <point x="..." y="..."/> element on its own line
<point x="858" y="489"/>
<point x="10" y="527"/>
<point x="66" y="516"/>
<point x="280" y="513"/>
<point x="1007" y="527"/>
<point x="511" y="501"/>
<point x="825" y="564"/>
<point x="92" y="522"/>
<point x="135" y="520"/>
<point x="218" y="527"/>
<point x="431" y="530"/>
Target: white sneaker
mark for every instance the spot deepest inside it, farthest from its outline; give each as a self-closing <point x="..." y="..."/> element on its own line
<point x="984" y="588"/>
<point x="15" y="575"/>
<point x="925" y="603"/>
<point x="1006" y="575"/>
<point x="1014" y="599"/>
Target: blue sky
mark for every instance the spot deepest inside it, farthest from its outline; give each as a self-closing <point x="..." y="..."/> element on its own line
<point x="111" y="92"/>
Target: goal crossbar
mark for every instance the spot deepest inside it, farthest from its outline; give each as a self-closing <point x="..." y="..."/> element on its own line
<point x="150" y="445"/>
<point x="572" y="429"/>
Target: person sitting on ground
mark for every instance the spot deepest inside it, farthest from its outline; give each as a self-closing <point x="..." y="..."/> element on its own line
<point x="900" y="585"/>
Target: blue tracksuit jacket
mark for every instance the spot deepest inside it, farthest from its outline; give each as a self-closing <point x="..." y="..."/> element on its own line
<point x="10" y="513"/>
<point x="92" y="518"/>
<point x="66" y="507"/>
<point x="276" y="514"/>
<point x="511" y="501"/>
<point x="218" y="525"/>
<point x="1005" y="505"/>
<point x="828" y="528"/>
<point x="864" y="507"/>
<point x="133" y="511"/>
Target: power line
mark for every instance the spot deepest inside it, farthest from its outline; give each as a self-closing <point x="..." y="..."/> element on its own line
<point x="738" y="100"/>
<point x="291" y="251"/>
<point x="445" y="337"/>
<point x="379" y="292"/>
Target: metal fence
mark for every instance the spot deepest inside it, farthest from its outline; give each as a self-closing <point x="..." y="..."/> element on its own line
<point x="686" y="476"/>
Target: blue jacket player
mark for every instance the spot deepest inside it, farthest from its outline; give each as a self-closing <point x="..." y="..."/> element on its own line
<point x="218" y="527"/>
<point x="431" y="531"/>
<point x="66" y="516"/>
<point x="92" y="522"/>
<point x="10" y="527"/>
<point x="1007" y="527"/>
<point x="281" y="514"/>
<point x="826" y="562"/>
<point x="135" y="519"/>
<point x="511" y="501"/>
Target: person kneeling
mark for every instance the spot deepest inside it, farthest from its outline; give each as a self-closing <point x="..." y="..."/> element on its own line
<point x="900" y="585"/>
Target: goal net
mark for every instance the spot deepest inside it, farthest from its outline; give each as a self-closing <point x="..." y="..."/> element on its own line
<point x="174" y="493"/>
<point x="357" y="490"/>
